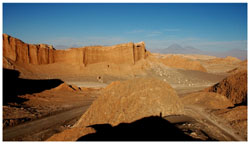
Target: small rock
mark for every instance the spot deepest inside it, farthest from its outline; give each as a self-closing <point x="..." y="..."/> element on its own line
<point x="193" y="134"/>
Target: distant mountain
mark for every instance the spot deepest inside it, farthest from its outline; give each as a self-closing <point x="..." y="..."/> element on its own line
<point x="174" y="48"/>
<point x="177" y="49"/>
<point x="193" y="50"/>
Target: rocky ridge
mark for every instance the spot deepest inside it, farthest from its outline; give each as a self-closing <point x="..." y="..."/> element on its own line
<point x="233" y="87"/>
<point x="183" y="63"/>
<point x="18" y="51"/>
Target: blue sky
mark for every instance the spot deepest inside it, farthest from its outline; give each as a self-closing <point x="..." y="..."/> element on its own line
<point x="204" y="26"/>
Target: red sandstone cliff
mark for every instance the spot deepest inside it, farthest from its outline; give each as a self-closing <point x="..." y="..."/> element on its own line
<point x="18" y="51"/>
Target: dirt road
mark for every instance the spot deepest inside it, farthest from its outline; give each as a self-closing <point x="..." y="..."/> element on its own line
<point x="87" y="84"/>
<point x="216" y="128"/>
<point x="33" y="127"/>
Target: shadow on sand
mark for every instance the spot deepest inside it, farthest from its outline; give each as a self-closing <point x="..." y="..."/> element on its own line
<point x="14" y="86"/>
<point x="152" y="128"/>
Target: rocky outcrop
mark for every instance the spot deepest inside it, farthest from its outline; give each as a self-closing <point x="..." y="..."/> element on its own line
<point x="18" y="51"/>
<point x="183" y="63"/>
<point x="232" y="59"/>
<point x="233" y="87"/>
<point x="241" y="66"/>
<point x="208" y="100"/>
<point x="140" y="98"/>
<point x="66" y="87"/>
<point x="7" y="63"/>
<point x="125" y="102"/>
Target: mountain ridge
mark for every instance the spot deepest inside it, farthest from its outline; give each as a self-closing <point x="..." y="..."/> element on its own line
<point x="178" y="49"/>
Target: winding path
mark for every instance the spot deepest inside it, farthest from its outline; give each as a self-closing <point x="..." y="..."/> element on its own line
<point x="225" y="131"/>
<point x="42" y="124"/>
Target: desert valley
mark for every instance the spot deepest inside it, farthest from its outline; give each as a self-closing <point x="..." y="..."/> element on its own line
<point x="120" y="92"/>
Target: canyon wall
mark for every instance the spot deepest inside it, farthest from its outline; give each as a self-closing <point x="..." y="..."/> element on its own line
<point x="18" y="51"/>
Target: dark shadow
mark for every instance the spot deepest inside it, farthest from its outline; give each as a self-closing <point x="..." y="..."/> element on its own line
<point x="244" y="103"/>
<point x="152" y="128"/>
<point x="14" y="86"/>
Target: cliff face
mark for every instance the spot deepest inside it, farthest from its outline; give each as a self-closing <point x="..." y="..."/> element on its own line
<point x="128" y="53"/>
<point x="19" y="51"/>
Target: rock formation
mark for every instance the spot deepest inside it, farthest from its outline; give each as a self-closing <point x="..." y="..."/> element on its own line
<point x="126" y="102"/>
<point x="139" y="98"/>
<point x="232" y="59"/>
<point x="226" y="60"/>
<point x="241" y="66"/>
<point x="7" y="63"/>
<point x="183" y="63"/>
<point x="18" y="51"/>
<point x="207" y="100"/>
<point x="233" y="87"/>
<point x="66" y="87"/>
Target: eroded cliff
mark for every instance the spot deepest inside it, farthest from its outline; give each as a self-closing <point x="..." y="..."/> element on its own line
<point x="18" y="51"/>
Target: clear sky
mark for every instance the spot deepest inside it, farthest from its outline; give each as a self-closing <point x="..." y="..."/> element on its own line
<point x="204" y="26"/>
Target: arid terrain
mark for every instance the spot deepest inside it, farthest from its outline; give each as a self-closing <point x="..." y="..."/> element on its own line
<point x="120" y="92"/>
